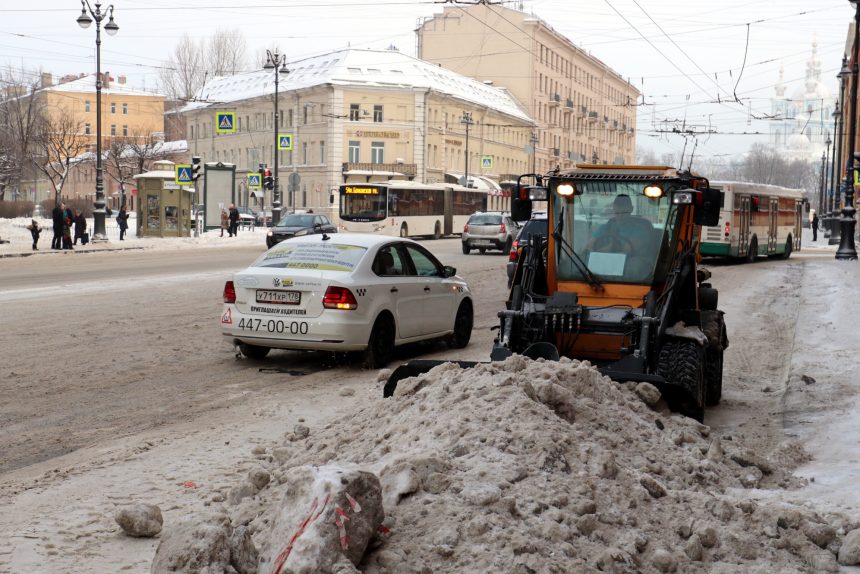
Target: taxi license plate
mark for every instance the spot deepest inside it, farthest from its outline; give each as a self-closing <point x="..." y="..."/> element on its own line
<point x="279" y="297"/>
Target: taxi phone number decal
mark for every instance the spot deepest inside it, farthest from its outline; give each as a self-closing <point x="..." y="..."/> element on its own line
<point x="274" y="326"/>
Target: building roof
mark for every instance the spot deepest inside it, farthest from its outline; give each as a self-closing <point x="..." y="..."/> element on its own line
<point x="87" y="84"/>
<point x="359" y="68"/>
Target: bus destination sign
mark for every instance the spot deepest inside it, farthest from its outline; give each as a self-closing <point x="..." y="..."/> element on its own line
<point x="354" y="190"/>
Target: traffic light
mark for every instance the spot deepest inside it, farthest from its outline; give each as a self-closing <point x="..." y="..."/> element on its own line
<point x="195" y="168"/>
<point x="268" y="180"/>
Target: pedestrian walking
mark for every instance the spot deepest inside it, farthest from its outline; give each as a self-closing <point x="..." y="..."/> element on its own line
<point x="815" y="227"/>
<point x="225" y="221"/>
<point x="57" y="218"/>
<point x="122" y="220"/>
<point x="234" y="220"/>
<point x="35" y="231"/>
<point x="68" y="217"/>
<point x="80" y="226"/>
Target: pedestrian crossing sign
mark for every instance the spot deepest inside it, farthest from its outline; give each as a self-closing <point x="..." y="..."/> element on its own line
<point x="225" y="122"/>
<point x="487" y="162"/>
<point x="285" y="141"/>
<point x="254" y="180"/>
<point x="183" y="173"/>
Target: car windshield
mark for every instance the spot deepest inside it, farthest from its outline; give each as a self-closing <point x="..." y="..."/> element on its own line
<point x="319" y="256"/>
<point x="532" y="227"/>
<point x="296" y="221"/>
<point x="485" y="219"/>
<point x="615" y="231"/>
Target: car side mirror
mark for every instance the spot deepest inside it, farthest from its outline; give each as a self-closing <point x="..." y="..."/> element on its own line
<point x="707" y="213"/>
<point x="448" y="271"/>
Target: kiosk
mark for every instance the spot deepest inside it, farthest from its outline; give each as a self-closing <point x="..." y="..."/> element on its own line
<point x="164" y="206"/>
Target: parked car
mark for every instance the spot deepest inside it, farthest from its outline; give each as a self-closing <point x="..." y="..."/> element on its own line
<point x="345" y="292"/>
<point x="489" y="230"/>
<point x="537" y="225"/>
<point x="264" y="217"/>
<point x="247" y="216"/>
<point x="293" y="225"/>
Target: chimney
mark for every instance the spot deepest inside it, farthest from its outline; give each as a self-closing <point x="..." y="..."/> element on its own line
<point x="121" y="80"/>
<point x="47" y="80"/>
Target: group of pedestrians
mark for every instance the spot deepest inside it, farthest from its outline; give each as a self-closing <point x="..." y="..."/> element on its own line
<point x="64" y="220"/>
<point x="230" y="220"/>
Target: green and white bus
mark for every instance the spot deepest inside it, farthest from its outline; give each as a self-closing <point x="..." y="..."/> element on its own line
<point x="755" y="219"/>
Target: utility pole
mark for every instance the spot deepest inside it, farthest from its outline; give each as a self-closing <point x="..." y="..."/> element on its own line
<point x="467" y="121"/>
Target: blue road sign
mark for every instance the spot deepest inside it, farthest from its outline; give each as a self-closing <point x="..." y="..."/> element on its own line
<point x="225" y="122"/>
<point x="285" y="141"/>
<point x="254" y="180"/>
<point x="183" y="173"/>
<point x="487" y="162"/>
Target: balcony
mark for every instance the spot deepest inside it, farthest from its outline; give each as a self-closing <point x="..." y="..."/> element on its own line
<point x="592" y="117"/>
<point x="614" y="124"/>
<point x="568" y="103"/>
<point x="554" y="100"/>
<point x="581" y="111"/>
<point x="556" y="152"/>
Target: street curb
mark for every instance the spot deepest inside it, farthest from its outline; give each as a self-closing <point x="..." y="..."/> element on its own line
<point x="66" y="251"/>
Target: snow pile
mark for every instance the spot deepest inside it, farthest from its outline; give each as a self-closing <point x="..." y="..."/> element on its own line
<point x="526" y="466"/>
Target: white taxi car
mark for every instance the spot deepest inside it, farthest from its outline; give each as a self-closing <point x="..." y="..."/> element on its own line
<point x="345" y="292"/>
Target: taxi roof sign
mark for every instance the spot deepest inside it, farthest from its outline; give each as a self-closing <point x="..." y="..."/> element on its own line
<point x="285" y="141"/>
<point x="254" y="180"/>
<point x="225" y="122"/>
<point x="182" y="173"/>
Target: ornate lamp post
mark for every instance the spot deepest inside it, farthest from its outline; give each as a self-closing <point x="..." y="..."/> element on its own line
<point x="847" y="250"/>
<point x="277" y="62"/>
<point x="84" y="20"/>
<point x="832" y="221"/>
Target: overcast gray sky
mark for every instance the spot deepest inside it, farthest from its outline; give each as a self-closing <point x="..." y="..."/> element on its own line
<point x="682" y="54"/>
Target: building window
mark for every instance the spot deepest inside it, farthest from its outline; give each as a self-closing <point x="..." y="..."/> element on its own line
<point x="113" y="129"/>
<point x="113" y="107"/>
<point x="377" y="152"/>
<point x="305" y="115"/>
<point x="125" y="130"/>
<point x="353" y="112"/>
<point x="322" y="152"/>
<point x="88" y="129"/>
<point x="377" y="113"/>
<point x="125" y="109"/>
<point x="305" y="153"/>
<point x="354" y="151"/>
<point x="291" y="118"/>
<point x="87" y="106"/>
<point x="192" y="132"/>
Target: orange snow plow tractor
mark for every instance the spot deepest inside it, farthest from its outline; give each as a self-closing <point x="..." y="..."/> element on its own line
<point x="616" y="281"/>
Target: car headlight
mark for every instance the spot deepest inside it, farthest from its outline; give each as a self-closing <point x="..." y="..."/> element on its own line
<point x="270" y="234"/>
<point x="300" y="232"/>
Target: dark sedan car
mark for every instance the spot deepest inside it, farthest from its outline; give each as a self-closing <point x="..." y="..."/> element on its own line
<point x="293" y="225"/>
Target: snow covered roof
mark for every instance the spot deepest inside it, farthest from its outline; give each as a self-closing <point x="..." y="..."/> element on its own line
<point x="88" y="84"/>
<point x="359" y="68"/>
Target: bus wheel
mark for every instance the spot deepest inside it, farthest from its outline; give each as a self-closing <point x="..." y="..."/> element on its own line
<point x="789" y="247"/>
<point x="404" y="231"/>
<point x="752" y="252"/>
<point x="437" y="231"/>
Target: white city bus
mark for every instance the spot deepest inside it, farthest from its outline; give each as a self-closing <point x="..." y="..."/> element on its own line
<point x="755" y="219"/>
<point x="407" y="208"/>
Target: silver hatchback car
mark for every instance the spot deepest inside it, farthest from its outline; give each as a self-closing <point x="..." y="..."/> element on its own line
<point x="489" y="230"/>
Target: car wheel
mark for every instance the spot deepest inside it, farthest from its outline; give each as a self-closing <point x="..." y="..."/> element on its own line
<point x="404" y="230"/>
<point x="253" y="351"/>
<point x="506" y="248"/>
<point x="462" y="326"/>
<point x="466" y="248"/>
<point x="380" y="346"/>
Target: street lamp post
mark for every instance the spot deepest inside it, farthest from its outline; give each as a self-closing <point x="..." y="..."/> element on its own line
<point x="467" y="121"/>
<point x="841" y="166"/>
<point x="277" y="62"/>
<point x="847" y="251"/>
<point x="84" y="20"/>
<point x="822" y="183"/>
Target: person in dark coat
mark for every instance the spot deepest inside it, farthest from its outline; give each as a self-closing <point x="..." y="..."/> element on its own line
<point x="35" y="230"/>
<point x="68" y="218"/>
<point x="57" y="217"/>
<point x="122" y="220"/>
<point x="80" y="226"/>
<point x="815" y="227"/>
<point x="234" y="221"/>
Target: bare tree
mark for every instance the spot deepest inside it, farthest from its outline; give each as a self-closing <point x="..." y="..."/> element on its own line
<point x="183" y="73"/>
<point x="21" y="112"/>
<point x="226" y="53"/>
<point x="59" y="142"/>
<point x="129" y="156"/>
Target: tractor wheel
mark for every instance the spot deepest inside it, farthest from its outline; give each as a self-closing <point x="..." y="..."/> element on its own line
<point x="713" y="377"/>
<point x="380" y="346"/>
<point x="462" y="326"/>
<point x="254" y="351"/>
<point x="681" y="363"/>
<point x="752" y="253"/>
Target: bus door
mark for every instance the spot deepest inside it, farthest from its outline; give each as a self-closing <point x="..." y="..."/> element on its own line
<point x="743" y="222"/>
<point x="798" y="222"/>
<point x="773" y="225"/>
<point x="448" y="212"/>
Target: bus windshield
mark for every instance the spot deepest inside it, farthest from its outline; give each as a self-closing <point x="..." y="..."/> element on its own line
<point x="363" y="203"/>
<point x="615" y="231"/>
